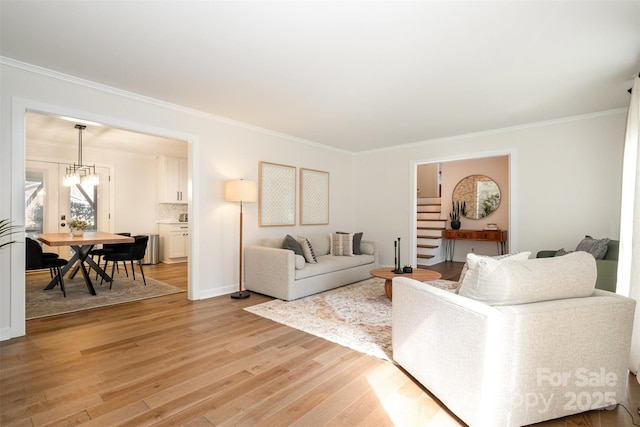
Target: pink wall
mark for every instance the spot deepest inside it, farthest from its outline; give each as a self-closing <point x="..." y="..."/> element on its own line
<point x="496" y="168"/>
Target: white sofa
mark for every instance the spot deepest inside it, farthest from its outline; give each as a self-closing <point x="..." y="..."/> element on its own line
<point x="516" y="364"/>
<point x="279" y="273"/>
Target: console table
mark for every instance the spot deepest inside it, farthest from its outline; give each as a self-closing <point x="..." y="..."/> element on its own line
<point x="450" y="236"/>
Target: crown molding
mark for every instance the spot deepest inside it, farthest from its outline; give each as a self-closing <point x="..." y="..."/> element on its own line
<point x="24" y="66"/>
<point x="500" y="130"/>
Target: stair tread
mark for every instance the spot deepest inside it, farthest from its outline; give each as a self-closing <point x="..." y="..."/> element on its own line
<point x="430" y="228"/>
<point x="428" y="246"/>
<point x="425" y="256"/>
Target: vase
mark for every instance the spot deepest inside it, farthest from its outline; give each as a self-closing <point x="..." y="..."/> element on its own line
<point x="455" y="225"/>
<point x="77" y="232"/>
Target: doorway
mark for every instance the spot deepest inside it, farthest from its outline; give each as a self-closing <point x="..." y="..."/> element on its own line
<point x="429" y="222"/>
<point x="123" y="203"/>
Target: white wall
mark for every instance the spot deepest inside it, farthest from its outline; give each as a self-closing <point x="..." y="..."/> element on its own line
<point x="219" y="149"/>
<point x="565" y="182"/>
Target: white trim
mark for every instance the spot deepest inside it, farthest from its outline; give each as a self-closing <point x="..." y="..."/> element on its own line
<point x="511" y="154"/>
<point x="455" y="138"/>
<point x="20" y="107"/>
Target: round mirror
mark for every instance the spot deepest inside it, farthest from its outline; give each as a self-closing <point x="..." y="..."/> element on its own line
<point x="480" y="193"/>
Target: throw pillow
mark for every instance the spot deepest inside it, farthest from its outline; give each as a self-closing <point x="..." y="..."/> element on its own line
<point x="292" y="244"/>
<point x="472" y="261"/>
<point x="469" y="276"/>
<point x="357" y="239"/>
<point x="307" y="250"/>
<point x="300" y="262"/>
<point x="596" y="247"/>
<point x="561" y="252"/>
<point x="511" y="282"/>
<point x="341" y="244"/>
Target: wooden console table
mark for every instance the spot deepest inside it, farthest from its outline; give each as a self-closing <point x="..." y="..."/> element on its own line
<point x="498" y="236"/>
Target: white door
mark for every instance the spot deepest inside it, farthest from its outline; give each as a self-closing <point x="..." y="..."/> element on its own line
<point x="49" y="204"/>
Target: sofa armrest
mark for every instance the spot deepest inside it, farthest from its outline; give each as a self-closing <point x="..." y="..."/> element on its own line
<point x="269" y="271"/>
<point x="546" y="254"/>
<point x="607" y="274"/>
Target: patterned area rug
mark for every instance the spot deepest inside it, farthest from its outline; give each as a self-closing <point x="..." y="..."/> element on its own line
<point x="357" y="316"/>
<point x="41" y="303"/>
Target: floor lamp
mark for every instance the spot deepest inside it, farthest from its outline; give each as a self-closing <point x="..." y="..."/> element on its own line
<point x="239" y="190"/>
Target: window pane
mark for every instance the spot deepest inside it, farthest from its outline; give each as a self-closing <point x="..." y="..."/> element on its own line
<point x="83" y="204"/>
<point x="34" y="202"/>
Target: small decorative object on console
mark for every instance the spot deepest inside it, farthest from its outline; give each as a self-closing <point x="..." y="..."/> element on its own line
<point x="407" y="269"/>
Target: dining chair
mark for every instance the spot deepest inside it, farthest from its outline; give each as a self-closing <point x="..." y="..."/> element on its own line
<point x="110" y="248"/>
<point x="134" y="252"/>
<point x="36" y="260"/>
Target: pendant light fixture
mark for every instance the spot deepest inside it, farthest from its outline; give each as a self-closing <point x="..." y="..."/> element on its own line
<point x="79" y="173"/>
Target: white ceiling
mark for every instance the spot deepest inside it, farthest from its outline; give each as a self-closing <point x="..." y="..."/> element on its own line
<point x="356" y="75"/>
<point x="48" y="129"/>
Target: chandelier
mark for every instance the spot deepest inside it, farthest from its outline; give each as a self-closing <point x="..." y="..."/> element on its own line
<point x="79" y="173"/>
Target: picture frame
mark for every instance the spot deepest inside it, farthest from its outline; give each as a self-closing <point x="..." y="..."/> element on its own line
<point x="314" y="197"/>
<point x="277" y="195"/>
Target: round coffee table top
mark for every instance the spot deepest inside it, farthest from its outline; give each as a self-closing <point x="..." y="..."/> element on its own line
<point x="419" y="274"/>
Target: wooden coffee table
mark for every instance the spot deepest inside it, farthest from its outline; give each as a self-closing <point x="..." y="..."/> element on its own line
<point x="419" y="274"/>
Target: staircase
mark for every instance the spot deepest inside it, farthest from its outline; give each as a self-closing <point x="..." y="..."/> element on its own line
<point x="430" y="224"/>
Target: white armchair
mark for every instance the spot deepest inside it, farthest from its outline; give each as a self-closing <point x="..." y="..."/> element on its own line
<point x="513" y="365"/>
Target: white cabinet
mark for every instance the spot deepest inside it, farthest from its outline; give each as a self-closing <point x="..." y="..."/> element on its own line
<point x="172" y="180"/>
<point x="174" y="242"/>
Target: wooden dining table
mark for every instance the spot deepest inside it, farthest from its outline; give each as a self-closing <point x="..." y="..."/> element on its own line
<point x="81" y="246"/>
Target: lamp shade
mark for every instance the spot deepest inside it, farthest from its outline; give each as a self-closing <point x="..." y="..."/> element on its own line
<point x="239" y="190"/>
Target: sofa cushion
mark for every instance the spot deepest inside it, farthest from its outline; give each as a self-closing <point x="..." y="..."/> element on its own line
<point x="307" y="250"/>
<point x="510" y="282"/>
<point x="341" y="244"/>
<point x="330" y="263"/>
<point x="320" y="243"/>
<point x="271" y="242"/>
<point x="292" y="244"/>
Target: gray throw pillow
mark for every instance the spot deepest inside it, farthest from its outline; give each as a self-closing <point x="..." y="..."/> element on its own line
<point x="596" y="247"/>
<point x="292" y="244"/>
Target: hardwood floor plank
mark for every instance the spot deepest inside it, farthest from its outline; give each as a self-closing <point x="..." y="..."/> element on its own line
<point x="169" y="361"/>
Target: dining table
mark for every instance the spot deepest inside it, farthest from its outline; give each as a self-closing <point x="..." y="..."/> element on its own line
<point x="81" y="246"/>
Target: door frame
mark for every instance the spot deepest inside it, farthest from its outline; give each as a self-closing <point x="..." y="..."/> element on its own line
<point x="19" y="109"/>
<point x="510" y="153"/>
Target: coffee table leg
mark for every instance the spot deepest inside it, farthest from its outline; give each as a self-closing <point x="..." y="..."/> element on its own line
<point x="388" y="287"/>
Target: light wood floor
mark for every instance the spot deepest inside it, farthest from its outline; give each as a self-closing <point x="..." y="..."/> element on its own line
<point x="170" y="361"/>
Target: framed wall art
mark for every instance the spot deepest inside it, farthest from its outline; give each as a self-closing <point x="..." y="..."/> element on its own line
<point x="277" y="195"/>
<point x="314" y="197"/>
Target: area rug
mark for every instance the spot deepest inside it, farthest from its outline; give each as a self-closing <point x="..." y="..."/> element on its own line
<point x="357" y="316"/>
<point x="41" y="303"/>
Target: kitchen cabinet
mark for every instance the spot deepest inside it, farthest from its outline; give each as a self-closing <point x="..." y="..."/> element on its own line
<point x="174" y="242"/>
<point x="172" y="180"/>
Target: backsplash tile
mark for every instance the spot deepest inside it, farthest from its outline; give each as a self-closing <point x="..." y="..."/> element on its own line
<point x="171" y="211"/>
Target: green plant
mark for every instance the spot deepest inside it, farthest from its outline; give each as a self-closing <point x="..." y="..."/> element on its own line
<point x="6" y="230"/>
<point x="458" y="210"/>
<point x="78" y="223"/>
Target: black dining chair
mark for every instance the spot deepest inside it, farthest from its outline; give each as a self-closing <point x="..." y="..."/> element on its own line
<point x="36" y="260"/>
<point x="132" y="252"/>
<point x="108" y="248"/>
